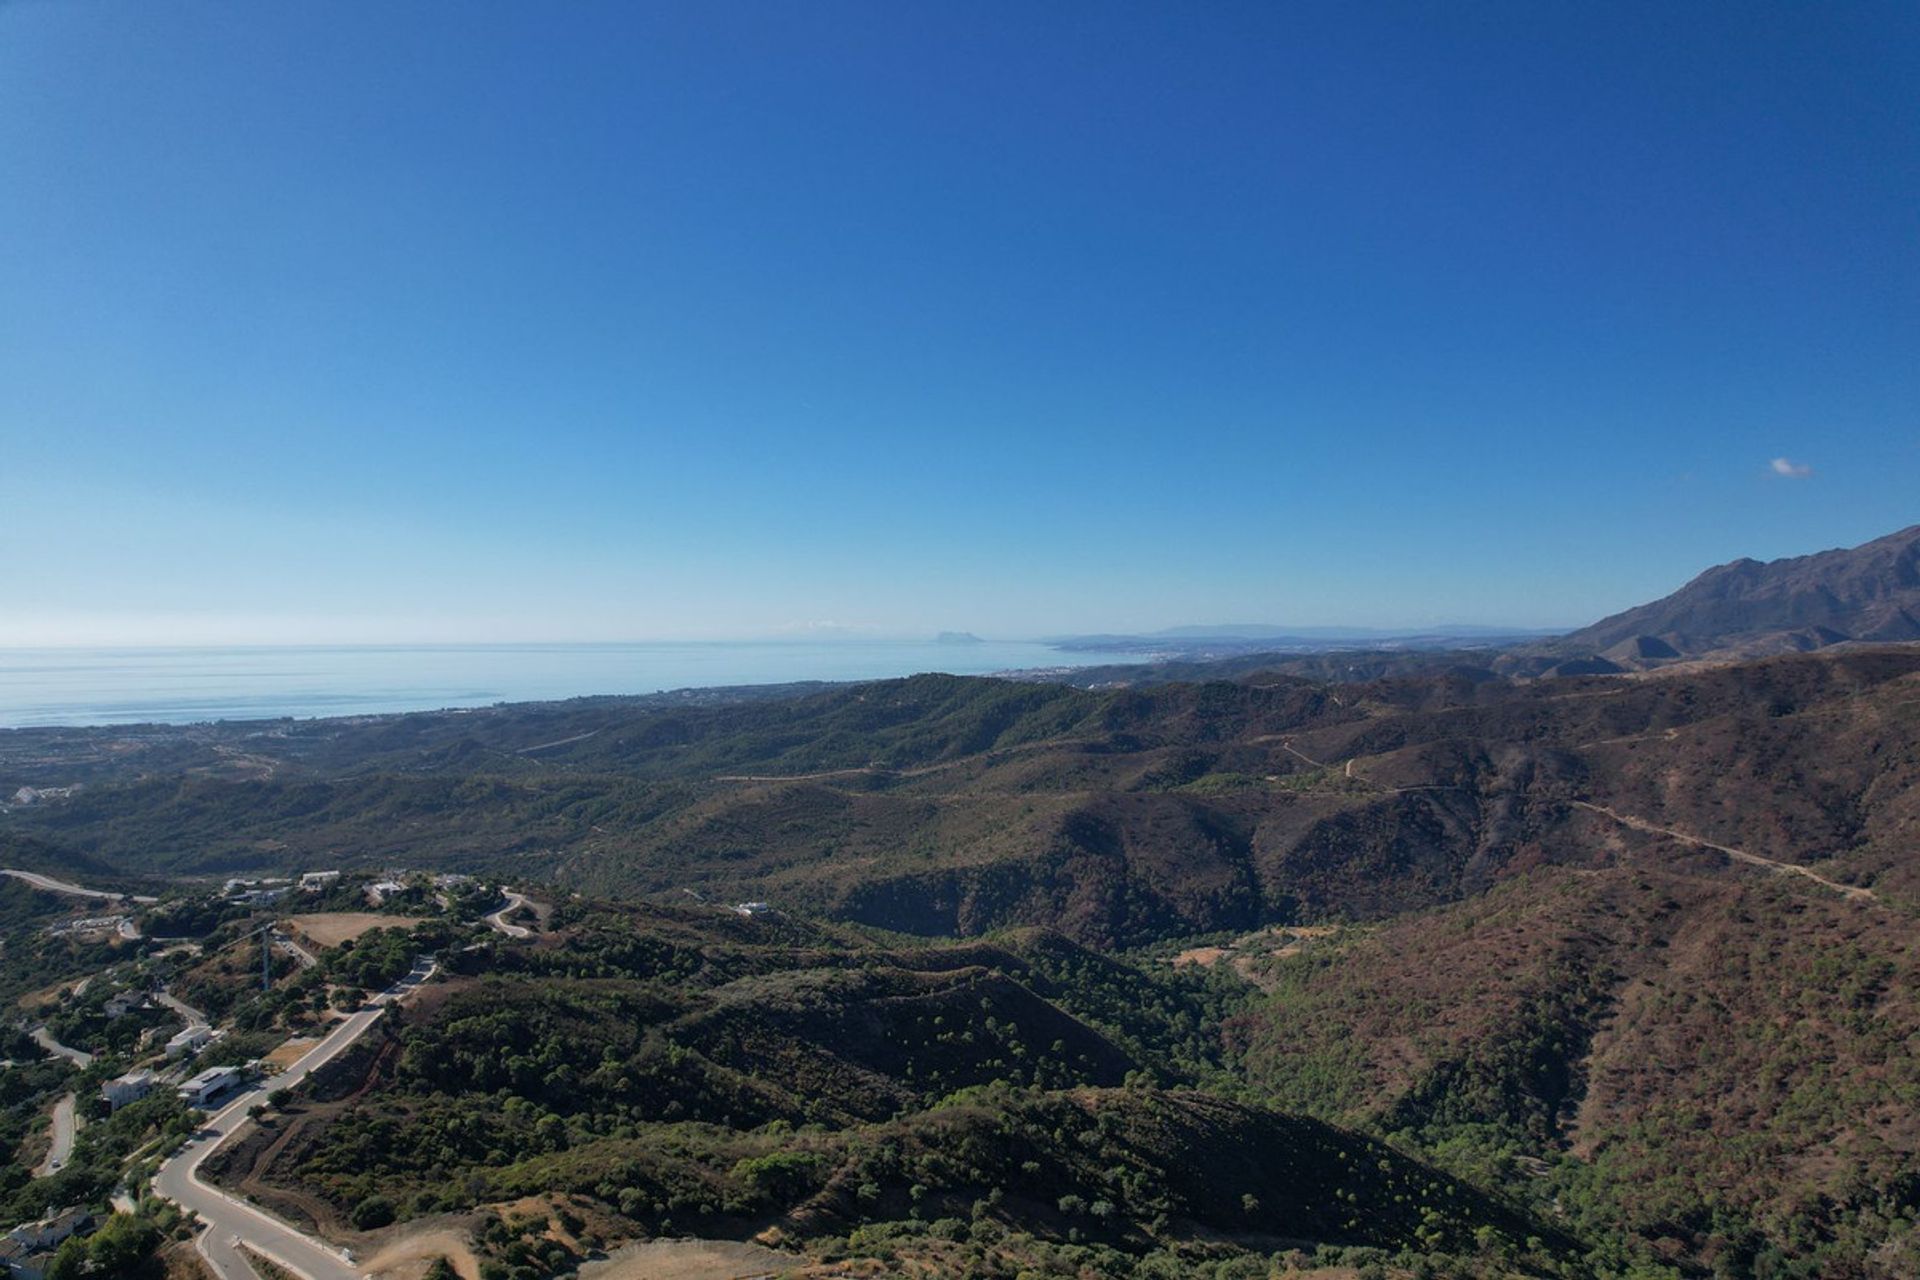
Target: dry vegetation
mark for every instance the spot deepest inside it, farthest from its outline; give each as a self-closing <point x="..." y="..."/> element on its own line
<point x="1680" y="1060"/>
<point x="331" y="928"/>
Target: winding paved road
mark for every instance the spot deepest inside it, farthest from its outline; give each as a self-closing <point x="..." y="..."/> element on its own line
<point x="498" y="919"/>
<point x="44" y="1038"/>
<point x="232" y="1222"/>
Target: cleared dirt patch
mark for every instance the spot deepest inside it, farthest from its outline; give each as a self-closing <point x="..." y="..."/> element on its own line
<point x="407" y="1256"/>
<point x="290" y="1052"/>
<point x="331" y="928"/>
<point x="690" y="1260"/>
<point x="47" y="996"/>
<point x="1249" y="954"/>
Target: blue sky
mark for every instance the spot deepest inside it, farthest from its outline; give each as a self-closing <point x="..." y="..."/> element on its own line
<point x="590" y="321"/>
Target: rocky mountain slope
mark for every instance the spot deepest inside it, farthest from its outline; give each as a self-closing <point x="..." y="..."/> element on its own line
<point x="1746" y="608"/>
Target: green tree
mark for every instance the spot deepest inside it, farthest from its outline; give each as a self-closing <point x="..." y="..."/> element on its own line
<point x="374" y="1211"/>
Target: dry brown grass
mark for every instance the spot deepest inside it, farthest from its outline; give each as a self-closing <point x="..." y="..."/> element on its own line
<point x="290" y="1052"/>
<point x="331" y="928"/>
<point x="1205" y="957"/>
<point x="183" y="1262"/>
<point x="690" y="1260"/>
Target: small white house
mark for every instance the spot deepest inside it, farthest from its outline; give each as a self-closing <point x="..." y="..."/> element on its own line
<point x="130" y="1087"/>
<point x="381" y="890"/>
<point x="190" y="1040"/>
<point x="210" y="1084"/>
<point x="52" y="1229"/>
<point x="315" y="881"/>
<point x="753" y="908"/>
<point x="119" y="1006"/>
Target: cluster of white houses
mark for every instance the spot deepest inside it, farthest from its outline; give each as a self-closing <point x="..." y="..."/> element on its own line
<point x="197" y="1092"/>
<point x="27" y="1250"/>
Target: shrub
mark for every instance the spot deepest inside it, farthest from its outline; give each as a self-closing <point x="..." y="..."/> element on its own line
<point x="374" y="1211"/>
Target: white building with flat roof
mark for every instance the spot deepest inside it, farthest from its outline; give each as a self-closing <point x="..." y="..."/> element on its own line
<point x="190" y="1040"/>
<point x="379" y="891"/>
<point x="210" y="1084"/>
<point x="130" y="1087"/>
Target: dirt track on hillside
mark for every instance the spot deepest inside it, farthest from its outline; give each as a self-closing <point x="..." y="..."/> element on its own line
<point x="1852" y="891"/>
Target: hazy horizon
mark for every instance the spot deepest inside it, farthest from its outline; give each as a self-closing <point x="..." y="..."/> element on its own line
<point x="122" y="637"/>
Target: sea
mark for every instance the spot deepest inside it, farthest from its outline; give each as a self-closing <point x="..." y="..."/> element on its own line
<point x="100" y="686"/>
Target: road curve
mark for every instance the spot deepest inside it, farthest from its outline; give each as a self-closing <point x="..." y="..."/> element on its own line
<point x="44" y="1038"/>
<point x="232" y="1222"/>
<point x="498" y="919"/>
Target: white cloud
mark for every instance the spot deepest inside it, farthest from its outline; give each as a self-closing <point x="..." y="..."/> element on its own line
<point x="1790" y="469"/>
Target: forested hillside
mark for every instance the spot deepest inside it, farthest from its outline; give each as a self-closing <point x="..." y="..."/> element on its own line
<point x="1630" y="957"/>
<point x="945" y="805"/>
<point x="971" y="1107"/>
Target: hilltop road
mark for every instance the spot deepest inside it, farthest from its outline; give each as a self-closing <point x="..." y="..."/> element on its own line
<point x="51" y="885"/>
<point x="498" y="919"/>
<point x="231" y="1222"/>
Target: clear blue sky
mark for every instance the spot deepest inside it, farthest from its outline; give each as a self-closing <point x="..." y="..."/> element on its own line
<point x="491" y="321"/>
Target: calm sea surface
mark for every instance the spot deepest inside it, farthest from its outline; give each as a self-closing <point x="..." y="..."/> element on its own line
<point x="182" y="686"/>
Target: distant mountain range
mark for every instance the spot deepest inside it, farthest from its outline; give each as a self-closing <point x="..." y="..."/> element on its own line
<point x="1869" y="593"/>
<point x="1745" y="609"/>
<point x="1242" y="637"/>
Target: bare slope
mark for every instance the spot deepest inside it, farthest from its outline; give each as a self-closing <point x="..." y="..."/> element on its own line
<point x="1865" y="593"/>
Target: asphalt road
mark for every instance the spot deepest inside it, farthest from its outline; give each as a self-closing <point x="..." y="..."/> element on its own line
<point x="232" y="1222"/>
<point x="44" y="1038"/>
<point x="499" y="918"/>
<point x="190" y="1015"/>
<point x="62" y="1148"/>
<point x="51" y="885"/>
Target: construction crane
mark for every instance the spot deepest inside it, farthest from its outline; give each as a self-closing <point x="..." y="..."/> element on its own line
<point x="265" y="934"/>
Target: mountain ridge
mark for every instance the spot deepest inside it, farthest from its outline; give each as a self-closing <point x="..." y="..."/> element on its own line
<point x="1750" y="608"/>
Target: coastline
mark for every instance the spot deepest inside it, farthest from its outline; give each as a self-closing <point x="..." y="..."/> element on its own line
<point x="95" y="688"/>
